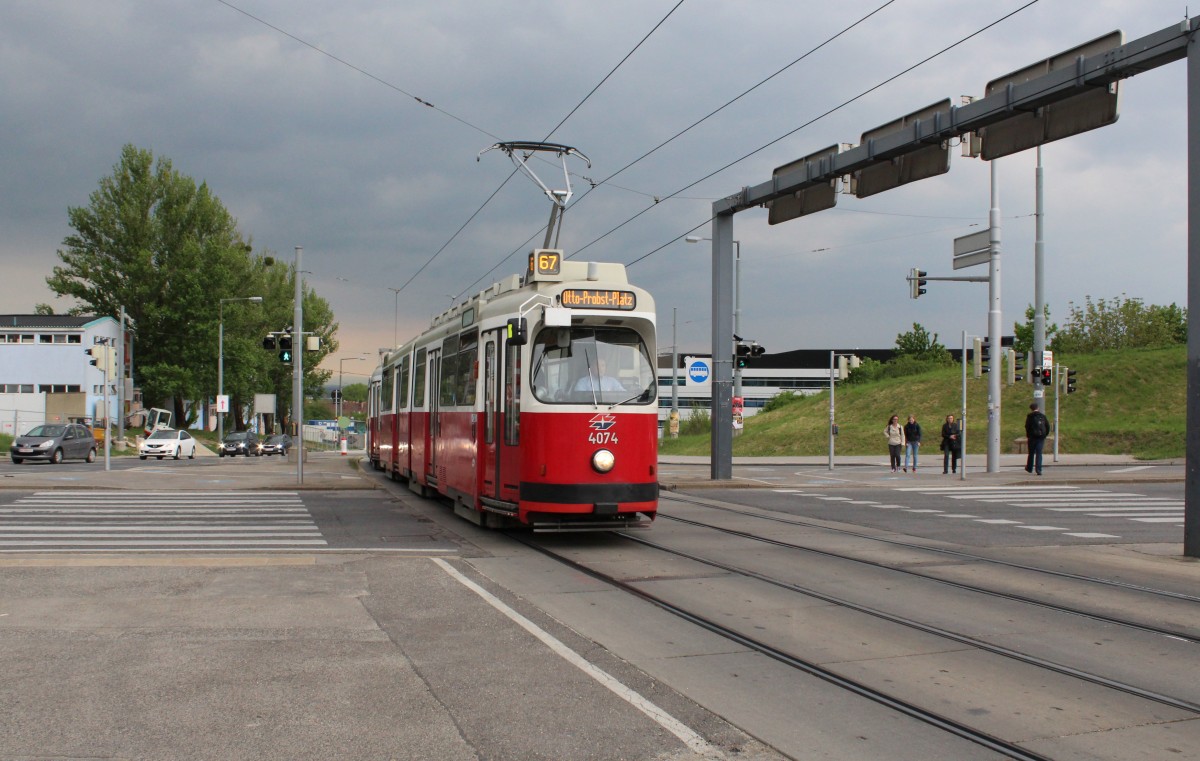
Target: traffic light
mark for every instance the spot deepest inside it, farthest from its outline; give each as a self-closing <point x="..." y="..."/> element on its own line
<point x="980" y="359"/>
<point x="1017" y="362"/>
<point x="916" y="283"/>
<point x="741" y="357"/>
<point x="758" y="351"/>
<point x="285" y="342"/>
<point x="1047" y="376"/>
<point x="269" y="343"/>
<point x="110" y="361"/>
<point x="285" y="355"/>
<point x="1069" y="379"/>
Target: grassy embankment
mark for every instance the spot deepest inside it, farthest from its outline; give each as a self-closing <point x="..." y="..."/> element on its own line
<point x="1129" y="402"/>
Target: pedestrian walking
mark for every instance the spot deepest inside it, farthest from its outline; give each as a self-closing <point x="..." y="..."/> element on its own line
<point x="1037" y="428"/>
<point x="895" y="439"/>
<point x="912" y="441"/>
<point x="951" y="445"/>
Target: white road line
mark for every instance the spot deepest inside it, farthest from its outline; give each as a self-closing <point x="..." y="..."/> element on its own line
<point x="104" y="494"/>
<point x="1116" y="509"/>
<point x="957" y="515"/>
<point x="933" y="489"/>
<point x="1088" y="535"/>
<point x="1176" y="519"/>
<point x="290" y="528"/>
<point x="835" y="499"/>
<point x="997" y="521"/>
<point x="913" y="510"/>
<point x="1132" y="469"/>
<point x="668" y="722"/>
<point x="1043" y="528"/>
<point x="159" y="543"/>
<point x="1176" y="514"/>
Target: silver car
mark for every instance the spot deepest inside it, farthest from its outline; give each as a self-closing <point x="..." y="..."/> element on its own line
<point x="55" y="442"/>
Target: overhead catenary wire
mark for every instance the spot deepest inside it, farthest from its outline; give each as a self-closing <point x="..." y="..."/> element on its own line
<point x="658" y="199"/>
<point x="808" y="123"/>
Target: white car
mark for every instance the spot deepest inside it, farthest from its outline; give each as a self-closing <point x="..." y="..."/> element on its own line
<point x="167" y="442"/>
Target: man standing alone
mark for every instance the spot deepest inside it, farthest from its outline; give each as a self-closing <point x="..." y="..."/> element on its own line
<point x="1037" y="428"/>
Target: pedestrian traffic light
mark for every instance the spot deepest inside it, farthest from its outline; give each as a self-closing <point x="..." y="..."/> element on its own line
<point x="916" y="283"/>
<point x="95" y="353"/>
<point x="285" y="342"/>
<point x="269" y="343"/>
<point x="285" y="355"/>
<point x="741" y="358"/>
<point x="757" y="351"/>
<point x="1070" y="380"/>
<point x="1047" y="376"/>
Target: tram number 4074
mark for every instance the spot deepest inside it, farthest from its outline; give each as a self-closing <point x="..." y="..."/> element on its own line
<point x="602" y="437"/>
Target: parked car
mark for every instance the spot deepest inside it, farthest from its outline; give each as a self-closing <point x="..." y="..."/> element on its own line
<point x="241" y="442"/>
<point x="55" y="442"/>
<point x="168" y="442"/>
<point x="280" y="443"/>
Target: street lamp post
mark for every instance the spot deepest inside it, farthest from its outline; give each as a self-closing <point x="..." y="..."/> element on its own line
<point x="341" y="397"/>
<point x="221" y="356"/>
<point x="737" y="303"/>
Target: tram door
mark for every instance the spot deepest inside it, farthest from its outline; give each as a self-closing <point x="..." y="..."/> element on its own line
<point x="508" y="421"/>
<point x="434" y="370"/>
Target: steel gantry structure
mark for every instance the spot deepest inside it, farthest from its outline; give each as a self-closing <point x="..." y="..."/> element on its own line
<point x="1052" y="99"/>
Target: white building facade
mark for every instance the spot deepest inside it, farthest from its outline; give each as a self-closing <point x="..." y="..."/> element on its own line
<point x="44" y="356"/>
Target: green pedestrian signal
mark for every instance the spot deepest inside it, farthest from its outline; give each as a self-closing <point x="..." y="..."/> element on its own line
<point x="285" y="355"/>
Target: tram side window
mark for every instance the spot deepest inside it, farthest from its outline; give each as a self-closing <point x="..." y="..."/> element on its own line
<point x="386" y="393"/>
<point x="419" y="381"/>
<point x="468" y="364"/>
<point x="449" y="372"/>
<point x="402" y="386"/>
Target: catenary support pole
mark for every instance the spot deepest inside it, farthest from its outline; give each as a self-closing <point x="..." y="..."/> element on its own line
<point x="1039" y="284"/>
<point x="832" y="360"/>
<point x="298" y="369"/>
<point x="721" y="447"/>
<point x="1191" y="488"/>
<point x="994" y="330"/>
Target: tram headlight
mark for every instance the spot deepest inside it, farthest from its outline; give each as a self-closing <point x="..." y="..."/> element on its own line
<point x="603" y="461"/>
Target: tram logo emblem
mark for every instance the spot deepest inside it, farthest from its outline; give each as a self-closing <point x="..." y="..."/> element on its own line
<point x="698" y="372"/>
<point x="602" y="422"/>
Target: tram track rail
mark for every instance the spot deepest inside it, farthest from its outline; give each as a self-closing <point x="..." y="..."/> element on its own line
<point x="937" y="550"/>
<point x="811" y="668"/>
<point x="1032" y="660"/>
<point x="1146" y="628"/>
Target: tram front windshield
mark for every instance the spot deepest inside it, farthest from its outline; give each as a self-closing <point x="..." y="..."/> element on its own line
<point x="586" y="365"/>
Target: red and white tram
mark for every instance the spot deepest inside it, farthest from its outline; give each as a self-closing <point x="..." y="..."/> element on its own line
<point x="532" y="403"/>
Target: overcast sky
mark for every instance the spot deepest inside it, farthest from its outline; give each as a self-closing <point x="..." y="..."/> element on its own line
<point x="352" y="129"/>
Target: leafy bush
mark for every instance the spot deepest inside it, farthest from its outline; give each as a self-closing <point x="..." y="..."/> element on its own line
<point x="1120" y="323"/>
<point x="700" y="423"/>
<point x="870" y="370"/>
<point x="780" y="400"/>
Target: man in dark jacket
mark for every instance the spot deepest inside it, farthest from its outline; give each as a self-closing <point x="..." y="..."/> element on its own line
<point x="1037" y="428"/>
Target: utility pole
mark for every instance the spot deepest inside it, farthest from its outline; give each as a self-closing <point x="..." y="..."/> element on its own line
<point x="994" y="326"/>
<point x="298" y="370"/>
<point x="1039" y="295"/>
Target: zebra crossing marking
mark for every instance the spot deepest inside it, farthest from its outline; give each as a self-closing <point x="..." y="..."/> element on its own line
<point x="84" y="520"/>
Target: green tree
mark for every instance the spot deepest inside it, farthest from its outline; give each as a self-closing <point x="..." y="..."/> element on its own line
<point x="1120" y="323"/>
<point x="919" y="344"/>
<point x="166" y="249"/>
<point x="355" y="392"/>
<point x="1023" y="342"/>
